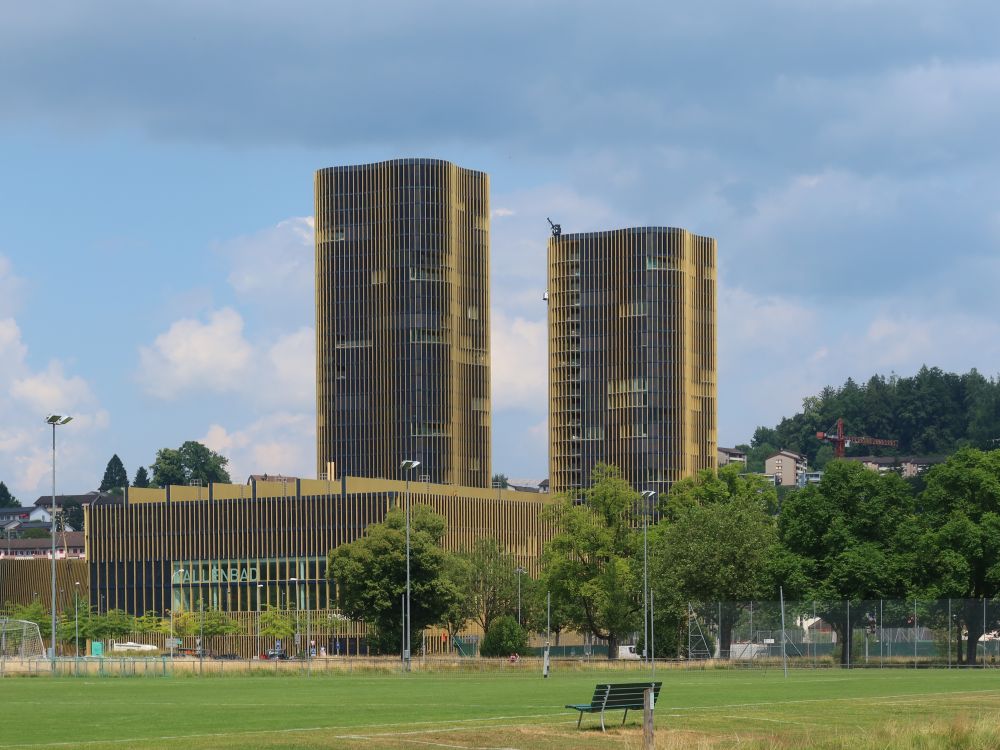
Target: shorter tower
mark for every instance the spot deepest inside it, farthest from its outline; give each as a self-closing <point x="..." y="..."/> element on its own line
<point x="632" y="355"/>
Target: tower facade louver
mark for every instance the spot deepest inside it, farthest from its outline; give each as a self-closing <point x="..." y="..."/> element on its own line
<point x="632" y="355"/>
<point x="402" y="321"/>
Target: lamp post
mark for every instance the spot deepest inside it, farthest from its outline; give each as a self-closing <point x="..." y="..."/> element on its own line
<point x="297" y="635"/>
<point x="76" y="616"/>
<point x="260" y="587"/>
<point x="519" y="571"/>
<point x="56" y="420"/>
<point x="408" y="466"/>
<point x="646" y="497"/>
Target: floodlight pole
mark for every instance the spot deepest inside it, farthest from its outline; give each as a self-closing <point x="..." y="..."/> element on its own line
<point x="519" y="571"/>
<point x="646" y="496"/>
<point x="55" y="420"/>
<point x="408" y="466"/>
<point x="76" y="617"/>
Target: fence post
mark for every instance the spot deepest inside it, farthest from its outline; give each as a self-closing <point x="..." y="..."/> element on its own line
<point x="881" y="631"/>
<point x="847" y="643"/>
<point x="648" y="738"/>
<point x="984" y="634"/>
<point x="949" y="632"/>
<point x="914" y="633"/>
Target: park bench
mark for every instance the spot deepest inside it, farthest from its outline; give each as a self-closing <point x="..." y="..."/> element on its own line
<point x="624" y="695"/>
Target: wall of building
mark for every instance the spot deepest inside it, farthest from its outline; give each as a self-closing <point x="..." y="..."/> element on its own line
<point x="22" y="581"/>
<point x="402" y="320"/>
<point x="238" y="547"/>
<point x="632" y="355"/>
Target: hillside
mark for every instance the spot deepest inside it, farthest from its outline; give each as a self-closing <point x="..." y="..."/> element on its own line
<point x="931" y="413"/>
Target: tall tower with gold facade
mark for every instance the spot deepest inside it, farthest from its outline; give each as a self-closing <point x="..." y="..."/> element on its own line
<point x="632" y="355"/>
<point x="402" y="321"/>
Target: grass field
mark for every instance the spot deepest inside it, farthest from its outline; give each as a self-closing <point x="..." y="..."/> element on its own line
<point x="758" y="709"/>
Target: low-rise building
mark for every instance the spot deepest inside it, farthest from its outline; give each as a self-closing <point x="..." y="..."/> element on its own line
<point x="787" y="468"/>
<point x="69" y="546"/>
<point x="906" y="466"/>
<point x="731" y="456"/>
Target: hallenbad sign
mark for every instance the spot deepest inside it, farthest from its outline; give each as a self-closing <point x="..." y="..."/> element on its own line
<point x="219" y="573"/>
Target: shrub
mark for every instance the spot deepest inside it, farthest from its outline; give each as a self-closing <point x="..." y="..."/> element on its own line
<point x="505" y="637"/>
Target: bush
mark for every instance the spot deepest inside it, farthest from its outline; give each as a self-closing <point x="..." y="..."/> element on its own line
<point x="505" y="637"/>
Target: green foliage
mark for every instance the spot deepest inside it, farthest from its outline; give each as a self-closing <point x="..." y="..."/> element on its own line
<point x="216" y="622"/>
<point x="35" y="534"/>
<point x="7" y="500"/>
<point x="853" y="536"/>
<point x="959" y="549"/>
<point x="931" y="413"/>
<point x="370" y="577"/>
<point x="719" y="547"/>
<point x="505" y="637"/>
<point x="35" y="612"/>
<point x="461" y="607"/>
<point x="191" y="462"/>
<point x="141" y="478"/>
<point x="490" y="585"/>
<point x="115" y="476"/>
<point x="499" y="480"/>
<point x="71" y="514"/>
<point x="591" y="565"/>
<point x="276" y="623"/>
<point x="115" y="623"/>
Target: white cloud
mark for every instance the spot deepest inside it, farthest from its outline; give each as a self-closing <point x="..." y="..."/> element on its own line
<point x="500" y="213"/>
<point x="194" y="355"/>
<point x="11" y="288"/>
<point x="279" y="443"/>
<point x="273" y="266"/>
<point x="293" y="363"/>
<point x="52" y="391"/>
<point x="519" y="362"/>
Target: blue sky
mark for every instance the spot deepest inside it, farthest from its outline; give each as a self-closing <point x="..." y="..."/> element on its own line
<point x="156" y="197"/>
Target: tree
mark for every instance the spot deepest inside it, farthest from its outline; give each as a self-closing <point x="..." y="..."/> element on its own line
<point x="7" y="500"/>
<point x="461" y="607"/>
<point x="720" y="547"/>
<point x="34" y="612"/>
<point x="276" y="623"/>
<point x="959" y="547"/>
<point x="216" y="622"/>
<point x="35" y="534"/>
<point x="141" y="478"/>
<point x="114" y="623"/>
<point x="499" y="480"/>
<point x="115" y="476"/>
<point x="850" y="537"/>
<point x="191" y="462"/>
<point x="491" y="582"/>
<point x="594" y="563"/>
<point x="504" y="638"/>
<point x="370" y="576"/>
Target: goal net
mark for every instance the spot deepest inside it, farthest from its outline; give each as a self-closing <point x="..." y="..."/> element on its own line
<point x="20" y="639"/>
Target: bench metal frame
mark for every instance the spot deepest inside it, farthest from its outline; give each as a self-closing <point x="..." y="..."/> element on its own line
<point x="611" y="696"/>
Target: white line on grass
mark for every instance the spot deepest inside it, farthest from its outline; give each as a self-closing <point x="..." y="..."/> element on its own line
<point x="250" y="732"/>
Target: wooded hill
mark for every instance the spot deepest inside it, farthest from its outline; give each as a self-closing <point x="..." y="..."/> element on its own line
<point x="931" y="413"/>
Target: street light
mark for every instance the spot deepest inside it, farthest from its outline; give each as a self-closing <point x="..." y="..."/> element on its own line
<point x="56" y="420"/>
<point x="408" y="466"/>
<point x="260" y="645"/>
<point x="297" y="636"/>
<point x="519" y="571"/>
<point x="646" y="497"/>
<point x="76" y="616"/>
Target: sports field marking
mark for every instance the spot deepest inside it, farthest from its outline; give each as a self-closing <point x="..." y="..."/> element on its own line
<point x="443" y="726"/>
<point x="876" y="700"/>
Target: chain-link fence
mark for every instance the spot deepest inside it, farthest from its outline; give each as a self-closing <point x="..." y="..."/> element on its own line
<point x="867" y="633"/>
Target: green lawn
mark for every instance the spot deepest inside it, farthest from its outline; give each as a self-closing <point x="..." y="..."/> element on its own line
<point x="828" y="708"/>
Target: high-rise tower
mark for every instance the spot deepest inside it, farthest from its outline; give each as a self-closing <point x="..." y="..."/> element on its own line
<point x="632" y="370"/>
<point x="402" y="321"/>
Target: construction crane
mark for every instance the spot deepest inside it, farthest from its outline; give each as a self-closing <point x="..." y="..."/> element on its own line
<point x="556" y="228"/>
<point x="841" y="441"/>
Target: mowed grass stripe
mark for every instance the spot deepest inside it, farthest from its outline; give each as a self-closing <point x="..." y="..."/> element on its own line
<point x="216" y="710"/>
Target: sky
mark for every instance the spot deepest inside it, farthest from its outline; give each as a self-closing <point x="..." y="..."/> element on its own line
<point x="156" y="164"/>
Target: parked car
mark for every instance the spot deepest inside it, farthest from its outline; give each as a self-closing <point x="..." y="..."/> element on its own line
<point x="275" y="653"/>
<point x="227" y="657"/>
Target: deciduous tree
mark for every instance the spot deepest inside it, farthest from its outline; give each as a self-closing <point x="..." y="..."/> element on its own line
<point x="594" y="563"/>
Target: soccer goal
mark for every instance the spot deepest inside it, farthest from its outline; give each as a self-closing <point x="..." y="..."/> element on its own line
<point x="20" y="639"/>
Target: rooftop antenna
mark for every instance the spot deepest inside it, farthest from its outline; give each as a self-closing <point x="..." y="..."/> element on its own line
<point x="556" y="228"/>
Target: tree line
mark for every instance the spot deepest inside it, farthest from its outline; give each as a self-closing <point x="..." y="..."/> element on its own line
<point x="931" y="413"/>
<point x="857" y="535"/>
